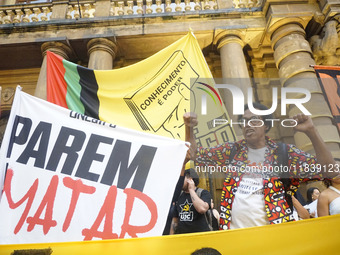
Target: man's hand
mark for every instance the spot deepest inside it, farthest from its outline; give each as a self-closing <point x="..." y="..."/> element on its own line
<point x="304" y="123"/>
<point x="191" y="154"/>
<point x="190" y="119"/>
<point x="322" y="152"/>
<point x="200" y="206"/>
<point x="191" y="185"/>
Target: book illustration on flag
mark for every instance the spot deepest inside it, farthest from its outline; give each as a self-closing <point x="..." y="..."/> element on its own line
<point x="171" y="97"/>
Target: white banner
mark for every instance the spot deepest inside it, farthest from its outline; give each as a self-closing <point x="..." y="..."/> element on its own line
<point x="71" y="177"/>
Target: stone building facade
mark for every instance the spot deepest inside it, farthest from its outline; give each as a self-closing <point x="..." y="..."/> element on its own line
<point x="260" y="44"/>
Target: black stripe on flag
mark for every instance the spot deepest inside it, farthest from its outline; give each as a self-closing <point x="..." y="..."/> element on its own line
<point x="89" y="89"/>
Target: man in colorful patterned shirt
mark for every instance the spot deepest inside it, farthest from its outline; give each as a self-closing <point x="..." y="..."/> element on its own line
<point x="253" y="195"/>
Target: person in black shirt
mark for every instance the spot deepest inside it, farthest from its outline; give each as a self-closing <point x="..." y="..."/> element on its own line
<point x="191" y="207"/>
<point x="172" y="209"/>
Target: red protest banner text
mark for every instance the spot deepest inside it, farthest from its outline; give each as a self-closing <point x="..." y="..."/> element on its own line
<point x="78" y="188"/>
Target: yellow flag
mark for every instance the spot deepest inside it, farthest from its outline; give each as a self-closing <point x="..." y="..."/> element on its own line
<point x="151" y="95"/>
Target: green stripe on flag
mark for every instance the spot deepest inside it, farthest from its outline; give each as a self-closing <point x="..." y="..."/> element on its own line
<point x="73" y="87"/>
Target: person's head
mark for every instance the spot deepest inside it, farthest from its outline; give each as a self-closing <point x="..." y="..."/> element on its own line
<point x="206" y="251"/>
<point x="190" y="174"/>
<point x="255" y="126"/>
<point x="312" y="194"/>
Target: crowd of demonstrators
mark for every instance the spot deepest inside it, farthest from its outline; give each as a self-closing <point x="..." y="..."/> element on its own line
<point x="250" y="196"/>
<point x="329" y="199"/>
<point x="312" y="201"/>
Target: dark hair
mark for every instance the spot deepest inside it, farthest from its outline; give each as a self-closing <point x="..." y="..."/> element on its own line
<point x="206" y="251"/>
<point x="327" y="182"/>
<point x="310" y="193"/>
<point x="193" y="174"/>
<point x="265" y="118"/>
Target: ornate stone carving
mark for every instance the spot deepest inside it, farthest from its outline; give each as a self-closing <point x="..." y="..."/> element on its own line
<point x="59" y="48"/>
<point x="324" y="46"/>
<point x="7" y="96"/>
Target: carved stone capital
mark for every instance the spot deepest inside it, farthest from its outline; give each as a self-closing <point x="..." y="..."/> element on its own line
<point x="224" y="37"/>
<point x="58" y="48"/>
<point x="230" y="39"/>
<point x="102" y="44"/>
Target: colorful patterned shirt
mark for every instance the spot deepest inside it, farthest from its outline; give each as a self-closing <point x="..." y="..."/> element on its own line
<point x="301" y="165"/>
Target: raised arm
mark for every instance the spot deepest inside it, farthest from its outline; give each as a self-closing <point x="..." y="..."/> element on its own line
<point x="323" y="154"/>
<point x="200" y="205"/>
<point x="190" y="120"/>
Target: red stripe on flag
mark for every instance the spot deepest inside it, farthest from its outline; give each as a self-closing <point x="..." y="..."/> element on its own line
<point x="56" y="84"/>
<point x="316" y="67"/>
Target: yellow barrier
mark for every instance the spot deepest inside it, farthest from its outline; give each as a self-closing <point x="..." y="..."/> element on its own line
<point x="318" y="236"/>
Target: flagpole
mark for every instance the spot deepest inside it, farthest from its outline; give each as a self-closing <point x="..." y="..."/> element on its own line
<point x="79" y="9"/>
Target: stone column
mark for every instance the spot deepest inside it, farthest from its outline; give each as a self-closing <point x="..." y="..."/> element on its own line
<point x="234" y="69"/>
<point x="58" y="48"/>
<point x="102" y="52"/>
<point x="293" y="57"/>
